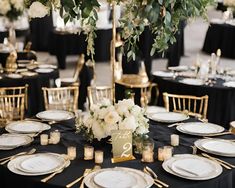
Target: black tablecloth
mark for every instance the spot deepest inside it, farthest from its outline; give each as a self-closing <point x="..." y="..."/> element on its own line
<point x="35" y="97"/>
<point x="63" y="44"/>
<point x="159" y="132"/>
<point x="221" y="104"/>
<point x="220" y="36"/>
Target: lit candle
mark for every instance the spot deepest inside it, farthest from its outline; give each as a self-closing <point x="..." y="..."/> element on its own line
<point x="44" y="139"/>
<point x="71" y="152"/>
<point x="174" y="140"/>
<point x="167" y="152"/>
<point x="160" y="154"/>
<point x="88" y="153"/>
<point x="147" y="156"/>
<point x="55" y="137"/>
<point x="99" y="156"/>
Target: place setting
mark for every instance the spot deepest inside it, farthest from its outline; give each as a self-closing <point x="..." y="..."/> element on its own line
<point x="168" y="117"/>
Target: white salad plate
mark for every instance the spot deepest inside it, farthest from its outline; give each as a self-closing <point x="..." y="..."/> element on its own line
<point x="55" y="115"/>
<point x="163" y="74"/>
<point x="192" y="81"/>
<point x="199" y="128"/>
<point x="192" y="167"/>
<point x="168" y="117"/>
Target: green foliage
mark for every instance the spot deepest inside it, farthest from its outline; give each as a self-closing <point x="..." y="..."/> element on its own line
<point x="161" y="16"/>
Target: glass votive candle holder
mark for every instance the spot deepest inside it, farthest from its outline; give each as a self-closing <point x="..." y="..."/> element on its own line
<point x="168" y="150"/>
<point x="138" y="143"/>
<point x="88" y="152"/>
<point x="99" y="156"/>
<point x="147" y="156"/>
<point x="44" y="139"/>
<point x="148" y="144"/>
<point x="55" y="137"/>
<point x="71" y="152"/>
<point x="160" y="155"/>
<point x="174" y="140"/>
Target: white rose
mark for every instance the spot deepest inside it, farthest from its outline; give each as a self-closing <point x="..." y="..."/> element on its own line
<point x="109" y="128"/>
<point x="128" y="123"/>
<point x="111" y="118"/>
<point x="38" y="10"/>
<point x="18" y="4"/>
<point x="142" y="130"/>
<point x="122" y="110"/>
<point x="102" y="113"/>
<point x="98" y="130"/>
<point x="4" y="6"/>
<point x="136" y="110"/>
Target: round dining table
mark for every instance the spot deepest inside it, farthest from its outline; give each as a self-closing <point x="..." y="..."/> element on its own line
<point x="35" y="83"/>
<point x="221" y="103"/>
<point x="159" y="132"/>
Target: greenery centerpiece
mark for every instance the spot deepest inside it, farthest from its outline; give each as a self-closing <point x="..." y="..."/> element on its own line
<point x="12" y="10"/>
<point x="161" y="16"/>
<point x="105" y="117"/>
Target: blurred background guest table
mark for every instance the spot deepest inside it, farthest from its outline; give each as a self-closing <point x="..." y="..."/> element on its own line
<point x="35" y="81"/>
<point x="221" y="109"/>
<point x="220" y="35"/>
<point x="159" y="132"/>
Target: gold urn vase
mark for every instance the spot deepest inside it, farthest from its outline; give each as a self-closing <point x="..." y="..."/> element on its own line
<point x="11" y="65"/>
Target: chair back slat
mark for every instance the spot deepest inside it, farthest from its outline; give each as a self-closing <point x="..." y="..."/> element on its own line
<point x="196" y="106"/>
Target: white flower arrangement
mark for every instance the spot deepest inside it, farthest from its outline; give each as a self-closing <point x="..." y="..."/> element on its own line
<point x="229" y="3"/>
<point x="105" y="117"/>
<point x="11" y="9"/>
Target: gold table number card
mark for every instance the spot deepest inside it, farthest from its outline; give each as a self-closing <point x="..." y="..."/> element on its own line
<point x="122" y="145"/>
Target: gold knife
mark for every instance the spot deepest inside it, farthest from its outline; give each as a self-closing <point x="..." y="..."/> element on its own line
<point x="220" y="160"/>
<point x="222" y="164"/>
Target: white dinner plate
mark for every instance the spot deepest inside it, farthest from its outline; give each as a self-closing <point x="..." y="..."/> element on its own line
<point x="44" y="70"/>
<point x="229" y="84"/>
<point x="9" y="141"/>
<point x="192" y="81"/>
<point x="15" y="164"/>
<point x="216" y="146"/>
<point x="168" y="117"/>
<point x="14" y="76"/>
<point x="69" y="80"/>
<point x="155" y="109"/>
<point x="128" y="175"/>
<point x="163" y="74"/>
<point x="55" y="115"/>
<point x="192" y="167"/>
<point x="41" y="163"/>
<point x="27" y="127"/>
<point x="28" y="73"/>
<point x="179" y="68"/>
<point x="199" y="128"/>
<point x="47" y="66"/>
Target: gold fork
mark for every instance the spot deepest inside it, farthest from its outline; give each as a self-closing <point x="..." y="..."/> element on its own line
<point x="155" y="183"/>
<point x="86" y="172"/>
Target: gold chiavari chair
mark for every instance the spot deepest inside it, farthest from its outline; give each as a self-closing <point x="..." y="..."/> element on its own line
<point x="11" y="108"/>
<point x="97" y="93"/>
<point x="192" y="105"/>
<point x="63" y="98"/>
<point x="232" y="127"/>
<point x="146" y="94"/>
<point x="75" y="79"/>
<point x="16" y="90"/>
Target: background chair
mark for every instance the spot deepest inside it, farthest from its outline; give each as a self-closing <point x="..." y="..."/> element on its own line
<point x="11" y="108"/>
<point x="75" y="79"/>
<point x="15" y="91"/>
<point x="193" y="105"/>
<point x="97" y="93"/>
<point x="63" y="98"/>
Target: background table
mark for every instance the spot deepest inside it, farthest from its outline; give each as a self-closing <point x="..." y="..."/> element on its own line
<point x="35" y="97"/>
<point x="159" y="132"/>
<point x="221" y="108"/>
<point x="220" y="36"/>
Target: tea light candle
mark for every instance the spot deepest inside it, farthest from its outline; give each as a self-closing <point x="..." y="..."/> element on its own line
<point x="99" y="156"/>
<point x="44" y="139"/>
<point x="55" y="137"/>
<point x="160" y="154"/>
<point x="167" y="152"/>
<point x="174" y="140"/>
<point x="71" y="152"/>
<point x="147" y="156"/>
<point x="88" y="153"/>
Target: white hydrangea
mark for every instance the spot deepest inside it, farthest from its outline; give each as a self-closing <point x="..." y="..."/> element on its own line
<point x="38" y="10"/>
<point x="112" y="117"/>
<point x="4" y="7"/>
<point x="18" y="4"/>
<point x="129" y="123"/>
